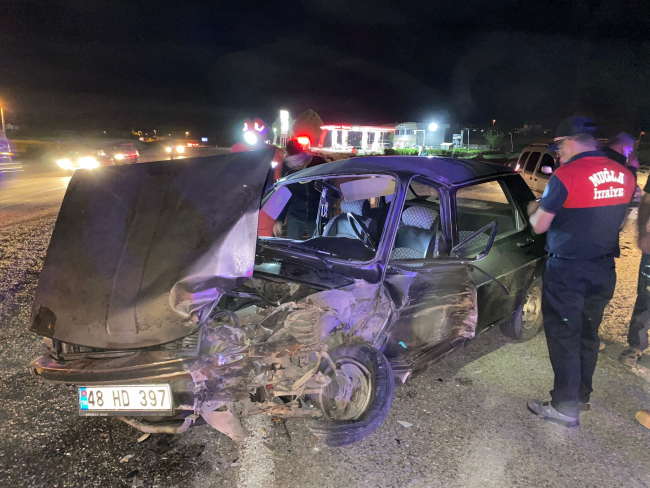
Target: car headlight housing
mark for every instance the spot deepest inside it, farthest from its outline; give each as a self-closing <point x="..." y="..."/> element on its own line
<point x="168" y="149"/>
<point x="88" y="162"/>
<point x="180" y="149"/>
<point x="119" y="156"/>
<point x="64" y="163"/>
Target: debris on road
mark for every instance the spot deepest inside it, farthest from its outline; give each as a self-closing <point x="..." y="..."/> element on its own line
<point x="126" y="458"/>
<point x="643" y="416"/>
<point x="404" y="424"/>
<point x="143" y="437"/>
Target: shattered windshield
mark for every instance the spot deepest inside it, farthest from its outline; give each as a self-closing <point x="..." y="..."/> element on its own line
<point x="343" y="216"/>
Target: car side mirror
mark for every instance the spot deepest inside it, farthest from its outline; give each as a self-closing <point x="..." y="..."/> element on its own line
<point x="547" y="170"/>
<point x="459" y="249"/>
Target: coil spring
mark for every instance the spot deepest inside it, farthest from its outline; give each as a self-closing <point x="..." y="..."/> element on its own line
<point x="304" y="327"/>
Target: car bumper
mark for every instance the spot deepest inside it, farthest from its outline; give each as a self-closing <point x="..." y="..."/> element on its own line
<point x="137" y="368"/>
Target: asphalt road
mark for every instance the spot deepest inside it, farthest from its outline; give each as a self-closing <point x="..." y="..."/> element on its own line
<point x="469" y="424"/>
<point x="31" y="189"/>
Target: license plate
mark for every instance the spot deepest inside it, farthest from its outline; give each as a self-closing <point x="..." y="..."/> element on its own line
<point x="123" y="400"/>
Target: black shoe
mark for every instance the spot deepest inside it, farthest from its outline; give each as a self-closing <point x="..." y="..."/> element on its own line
<point x="547" y="412"/>
<point x="630" y="356"/>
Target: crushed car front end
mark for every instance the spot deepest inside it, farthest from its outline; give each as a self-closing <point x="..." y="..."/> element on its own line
<point x="158" y="302"/>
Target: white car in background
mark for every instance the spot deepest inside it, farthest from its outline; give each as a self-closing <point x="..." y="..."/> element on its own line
<point x="536" y="165"/>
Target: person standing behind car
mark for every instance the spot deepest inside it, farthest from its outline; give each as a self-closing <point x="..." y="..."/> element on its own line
<point x="302" y="209"/>
<point x="637" y="337"/>
<point x="582" y="210"/>
<point x="621" y="150"/>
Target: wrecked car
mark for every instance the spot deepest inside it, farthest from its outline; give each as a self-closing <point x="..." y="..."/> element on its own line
<point x="159" y="301"/>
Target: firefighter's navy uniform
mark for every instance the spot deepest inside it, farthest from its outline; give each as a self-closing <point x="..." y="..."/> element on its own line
<point x="589" y="196"/>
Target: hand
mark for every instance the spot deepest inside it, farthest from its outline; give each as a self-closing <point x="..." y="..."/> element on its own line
<point x="277" y="228"/>
<point x="532" y="207"/>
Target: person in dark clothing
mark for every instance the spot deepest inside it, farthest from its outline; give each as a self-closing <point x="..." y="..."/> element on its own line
<point x="621" y="150"/>
<point x="637" y="337"/>
<point x="301" y="211"/>
<point x="582" y="210"/>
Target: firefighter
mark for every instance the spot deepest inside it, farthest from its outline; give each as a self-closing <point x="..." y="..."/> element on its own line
<point x="582" y="211"/>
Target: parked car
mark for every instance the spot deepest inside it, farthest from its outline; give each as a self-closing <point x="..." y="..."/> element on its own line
<point x="119" y="153"/>
<point x="536" y="164"/>
<point x="163" y="306"/>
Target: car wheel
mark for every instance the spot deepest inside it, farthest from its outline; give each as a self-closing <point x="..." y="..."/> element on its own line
<point x="527" y="322"/>
<point x="355" y="405"/>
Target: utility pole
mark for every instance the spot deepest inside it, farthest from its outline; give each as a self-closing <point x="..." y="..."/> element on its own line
<point x="2" y="115"/>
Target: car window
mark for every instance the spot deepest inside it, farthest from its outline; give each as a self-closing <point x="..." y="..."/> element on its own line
<point x="522" y="160"/>
<point x="351" y="202"/>
<point x="547" y="160"/>
<point x="421" y="191"/>
<point x="532" y="162"/>
<point x="481" y="204"/>
<point x="419" y="235"/>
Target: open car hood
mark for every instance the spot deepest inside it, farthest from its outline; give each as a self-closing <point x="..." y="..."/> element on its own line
<point x="140" y="251"/>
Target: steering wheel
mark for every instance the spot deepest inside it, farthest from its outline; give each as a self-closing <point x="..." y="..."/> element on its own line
<point x="361" y="231"/>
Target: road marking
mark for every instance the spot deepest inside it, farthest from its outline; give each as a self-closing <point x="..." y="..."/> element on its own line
<point x="256" y="463"/>
<point x="31" y="195"/>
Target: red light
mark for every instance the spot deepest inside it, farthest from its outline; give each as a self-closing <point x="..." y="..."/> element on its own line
<point x="303" y="141"/>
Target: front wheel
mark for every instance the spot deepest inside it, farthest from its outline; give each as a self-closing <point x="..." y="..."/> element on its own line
<point x="356" y="404"/>
<point x="527" y="322"/>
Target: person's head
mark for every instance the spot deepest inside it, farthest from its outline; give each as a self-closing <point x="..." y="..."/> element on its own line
<point x="623" y="144"/>
<point x="575" y="135"/>
<point x="293" y="147"/>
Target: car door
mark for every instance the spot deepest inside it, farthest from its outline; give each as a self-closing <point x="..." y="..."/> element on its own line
<point x="540" y="179"/>
<point x="435" y="302"/>
<point x="516" y="251"/>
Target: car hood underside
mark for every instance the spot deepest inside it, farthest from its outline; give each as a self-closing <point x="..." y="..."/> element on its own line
<point x="139" y="252"/>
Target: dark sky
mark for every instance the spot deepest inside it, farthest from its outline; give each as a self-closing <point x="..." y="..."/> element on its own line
<point x="203" y="66"/>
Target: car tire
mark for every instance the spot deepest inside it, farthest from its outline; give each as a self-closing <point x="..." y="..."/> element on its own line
<point x="527" y="321"/>
<point x="338" y="433"/>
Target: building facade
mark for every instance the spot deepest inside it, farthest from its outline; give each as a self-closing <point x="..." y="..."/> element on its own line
<point x="414" y="134"/>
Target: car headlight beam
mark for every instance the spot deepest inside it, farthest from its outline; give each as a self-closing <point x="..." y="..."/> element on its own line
<point x="88" y="162"/>
<point x="64" y="164"/>
<point x="180" y="149"/>
<point x="119" y="156"/>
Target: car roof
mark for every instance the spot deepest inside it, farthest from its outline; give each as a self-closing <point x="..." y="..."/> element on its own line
<point x="447" y="171"/>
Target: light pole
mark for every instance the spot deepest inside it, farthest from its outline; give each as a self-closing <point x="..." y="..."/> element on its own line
<point x="154" y="133"/>
<point x="186" y="134"/>
<point x="512" y="147"/>
<point x="2" y="115"/>
<point x="493" y="122"/>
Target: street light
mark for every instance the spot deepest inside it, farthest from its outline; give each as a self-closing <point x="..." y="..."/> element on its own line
<point x="433" y="126"/>
<point x="493" y="122"/>
<point x="186" y="134"/>
<point x="154" y="133"/>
